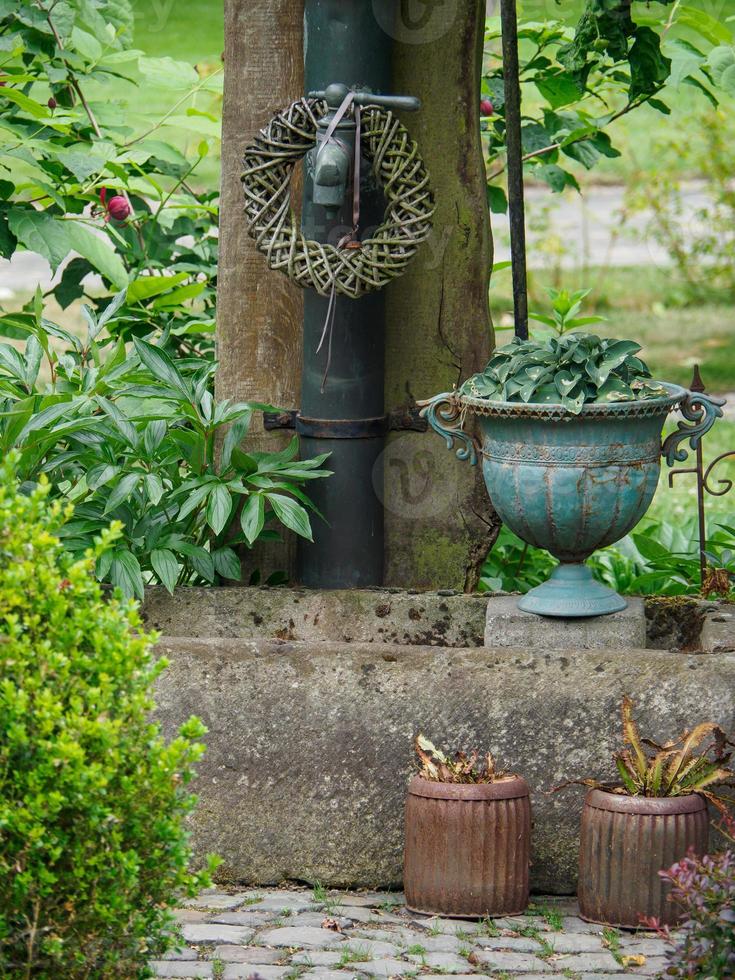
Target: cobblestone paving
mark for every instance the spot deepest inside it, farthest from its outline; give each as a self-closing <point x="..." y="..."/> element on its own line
<point x="318" y="935"/>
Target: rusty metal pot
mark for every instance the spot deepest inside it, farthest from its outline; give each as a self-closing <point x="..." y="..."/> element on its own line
<point x="626" y="841"/>
<point x="467" y="847"/>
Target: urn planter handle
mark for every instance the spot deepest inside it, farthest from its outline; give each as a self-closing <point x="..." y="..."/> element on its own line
<point x="701" y="410"/>
<point x="449" y="424"/>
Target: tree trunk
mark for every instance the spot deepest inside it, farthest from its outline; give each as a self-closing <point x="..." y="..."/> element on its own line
<point x="259" y="312"/>
<point x="439" y="522"/>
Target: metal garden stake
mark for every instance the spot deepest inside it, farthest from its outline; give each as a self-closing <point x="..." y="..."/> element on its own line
<point x="514" y="147"/>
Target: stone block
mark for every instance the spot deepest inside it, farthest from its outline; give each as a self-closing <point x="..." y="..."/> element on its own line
<point x="310" y="750"/>
<point x="718" y="631"/>
<point x="209" y="932"/>
<point x="186" y="971"/>
<point x="247" y="954"/>
<point x="507" y="626"/>
<point x="498" y="961"/>
<point x="384" y="968"/>
<point x="304" y="936"/>
<point x="240" y="971"/>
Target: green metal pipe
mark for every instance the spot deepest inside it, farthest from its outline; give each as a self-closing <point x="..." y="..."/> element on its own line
<point x="343" y="43"/>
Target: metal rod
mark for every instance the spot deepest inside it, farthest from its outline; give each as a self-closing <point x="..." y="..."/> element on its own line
<point x="514" y="148"/>
<point x="697" y="385"/>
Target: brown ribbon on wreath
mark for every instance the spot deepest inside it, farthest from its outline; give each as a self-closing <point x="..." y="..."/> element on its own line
<point x="350" y="240"/>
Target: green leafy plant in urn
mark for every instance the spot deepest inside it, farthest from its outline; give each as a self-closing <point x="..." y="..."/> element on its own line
<point x="571" y="450"/>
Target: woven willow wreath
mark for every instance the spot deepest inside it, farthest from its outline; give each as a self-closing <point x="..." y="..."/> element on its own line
<point x="269" y="164"/>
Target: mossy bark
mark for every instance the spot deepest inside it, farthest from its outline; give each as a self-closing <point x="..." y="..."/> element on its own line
<point x="259" y="313"/>
<point x="439" y="522"/>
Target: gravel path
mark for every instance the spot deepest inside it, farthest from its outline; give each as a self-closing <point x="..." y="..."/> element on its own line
<point x="275" y="934"/>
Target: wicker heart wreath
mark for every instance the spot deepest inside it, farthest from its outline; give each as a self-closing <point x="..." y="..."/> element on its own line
<point x="351" y="271"/>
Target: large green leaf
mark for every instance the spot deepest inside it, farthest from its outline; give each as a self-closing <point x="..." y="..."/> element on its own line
<point x="291" y="514"/>
<point x="85" y="161"/>
<point x="144" y="287"/>
<point x="685" y="59"/>
<point x="166" y="567"/>
<point x="219" y="506"/>
<point x="721" y="62"/>
<point x="162" y="367"/>
<point x="122" y="491"/>
<point x="25" y="103"/>
<point x="201" y="560"/>
<point x="227" y="564"/>
<point x="41" y="233"/>
<point x="704" y="24"/>
<point x="194" y="500"/>
<point x="125" y="573"/>
<point x="559" y="90"/>
<point x="163" y="73"/>
<point x="97" y="251"/>
<point x="649" y="67"/>
<point x="252" y="517"/>
<point x="153" y="487"/>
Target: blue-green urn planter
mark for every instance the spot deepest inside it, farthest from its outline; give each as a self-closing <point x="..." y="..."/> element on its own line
<point x="572" y="483"/>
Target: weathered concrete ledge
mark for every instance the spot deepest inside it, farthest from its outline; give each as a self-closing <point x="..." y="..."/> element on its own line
<point x="446" y="619"/>
<point x="309" y="745"/>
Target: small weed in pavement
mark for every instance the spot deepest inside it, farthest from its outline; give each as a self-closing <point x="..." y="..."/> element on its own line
<point x="356" y="955"/>
<point x="611" y="939"/>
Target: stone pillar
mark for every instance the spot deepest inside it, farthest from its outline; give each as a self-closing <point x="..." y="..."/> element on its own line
<point x="439" y="523"/>
<point x="259" y="313"/>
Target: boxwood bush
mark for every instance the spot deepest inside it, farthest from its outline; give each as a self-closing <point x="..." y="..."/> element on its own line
<point x="93" y="845"/>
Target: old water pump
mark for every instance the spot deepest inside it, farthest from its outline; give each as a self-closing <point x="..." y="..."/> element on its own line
<point x="367" y="207"/>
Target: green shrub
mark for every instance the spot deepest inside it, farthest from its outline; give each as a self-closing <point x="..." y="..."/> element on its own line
<point x="92" y="800"/>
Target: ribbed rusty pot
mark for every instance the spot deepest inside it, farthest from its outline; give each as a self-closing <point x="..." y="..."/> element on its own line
<point x="467" y="847"/>
<point x="626" y="841"/>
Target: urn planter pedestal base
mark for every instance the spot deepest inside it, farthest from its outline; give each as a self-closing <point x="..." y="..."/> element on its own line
<point x="570" y="591"/>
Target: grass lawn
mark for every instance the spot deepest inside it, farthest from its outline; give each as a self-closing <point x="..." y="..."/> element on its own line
<point x="188" y="30"/>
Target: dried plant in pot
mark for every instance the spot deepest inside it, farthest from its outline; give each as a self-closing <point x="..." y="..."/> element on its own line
<point x="468" y="837"/>
<point x="655" y="815"/>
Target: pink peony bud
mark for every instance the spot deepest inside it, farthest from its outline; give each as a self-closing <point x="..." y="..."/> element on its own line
<point x="486" y="108"/>
<point x="52" y="103"/>
<point x="118" y="208"/>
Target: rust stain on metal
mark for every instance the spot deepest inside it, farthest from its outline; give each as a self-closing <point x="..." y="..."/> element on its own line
<point x="467" y="847"/>
<point x="625" y="842"/>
